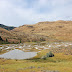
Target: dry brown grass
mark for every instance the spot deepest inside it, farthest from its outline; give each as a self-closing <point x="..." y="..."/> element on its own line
<point x="61" y="30"/>
<point x="57" y="30"/>
<point x="60" y="62"/>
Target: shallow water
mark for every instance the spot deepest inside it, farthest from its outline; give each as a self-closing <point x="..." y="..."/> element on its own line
<point x="18" y="54"/>
<point x="28" y="50"/>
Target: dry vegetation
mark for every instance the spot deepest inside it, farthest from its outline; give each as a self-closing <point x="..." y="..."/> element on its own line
<point x="61" y="62"/>
<point x="49" y="31"/>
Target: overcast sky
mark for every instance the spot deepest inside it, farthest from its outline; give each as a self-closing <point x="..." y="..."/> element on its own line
<point x="20" y="12"/>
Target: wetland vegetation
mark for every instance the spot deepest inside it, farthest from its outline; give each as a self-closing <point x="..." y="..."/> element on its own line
<point x="60" y="61"/>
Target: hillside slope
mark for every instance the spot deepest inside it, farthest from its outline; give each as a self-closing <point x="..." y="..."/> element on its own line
<point x="60" y="30"/>
<point x="10" y="36"/>
<point x="6" y="27"/>
<point x="42" y="31"/>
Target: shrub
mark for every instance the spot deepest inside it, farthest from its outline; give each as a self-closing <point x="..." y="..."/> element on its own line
<point x="44" y="57"/>
<point x="42" y="39"/>
<point x="6" y="40"/>
<point x="20" y="40"/>
<point x="1" y="38"/>
<point x="47" y="54"/>
<point x="50" y="54"/>
<point x="0" y="50"/>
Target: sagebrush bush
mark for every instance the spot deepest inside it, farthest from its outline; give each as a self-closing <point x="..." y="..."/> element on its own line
<point x="43" y="57"/>
<point x="50" y="54"/>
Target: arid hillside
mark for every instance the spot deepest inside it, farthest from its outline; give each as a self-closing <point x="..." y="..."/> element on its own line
<point x="42" y="31"/>
<point x="60" y="30"/>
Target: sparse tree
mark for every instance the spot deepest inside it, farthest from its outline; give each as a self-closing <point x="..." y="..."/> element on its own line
<point x="6" y="40"/>
<point x="43" y="57"/>
<point x="20" y="40"/>
<point x="1" y="38"/>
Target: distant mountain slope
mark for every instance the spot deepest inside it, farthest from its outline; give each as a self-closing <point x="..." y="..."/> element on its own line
<point x="6" y="27"/>
<point x="10" y="36"/>
<point x="42" y="31"/>
<point x="60" y="30"/>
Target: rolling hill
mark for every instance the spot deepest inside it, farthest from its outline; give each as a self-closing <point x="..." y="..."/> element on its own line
<point x="42" y="31"/>
<point x="60" y="30"/>
<point x="6" y="27"/>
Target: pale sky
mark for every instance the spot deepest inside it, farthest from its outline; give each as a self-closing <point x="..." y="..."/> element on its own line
<point x="20" y="12"/>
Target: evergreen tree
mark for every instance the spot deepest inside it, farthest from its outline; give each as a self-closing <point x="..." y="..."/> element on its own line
<point x="1" y="38"/>
<point x="20" y="40"/>
<point x="6" y="40"/>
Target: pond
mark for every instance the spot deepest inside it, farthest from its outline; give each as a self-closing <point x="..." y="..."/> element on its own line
<point x="18" y="54"/>
<point x="28" y="50"/>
